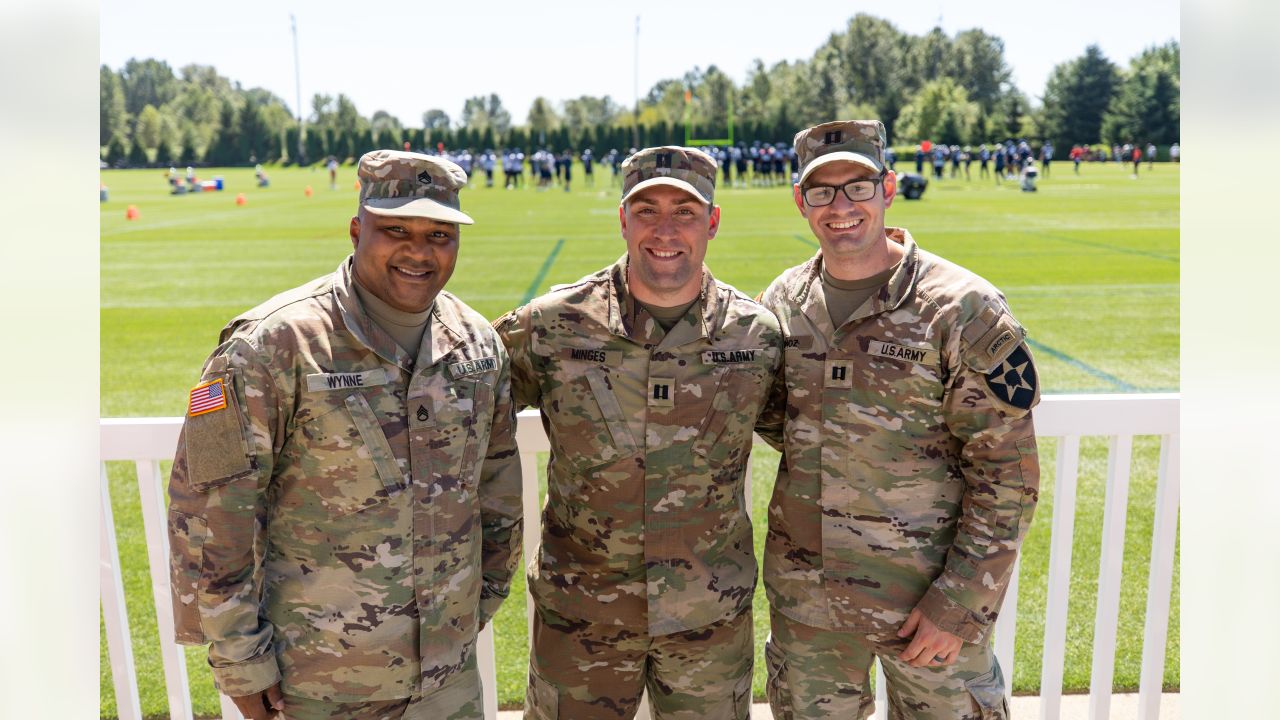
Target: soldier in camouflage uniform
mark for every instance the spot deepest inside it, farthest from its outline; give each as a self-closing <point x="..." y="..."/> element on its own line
<point x="909" y="470"/>
<point x="649" y="375"/>
<point x="345" y="502"/>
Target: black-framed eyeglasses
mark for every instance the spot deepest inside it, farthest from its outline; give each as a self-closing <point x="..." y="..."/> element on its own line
<point x="857" y="191"/>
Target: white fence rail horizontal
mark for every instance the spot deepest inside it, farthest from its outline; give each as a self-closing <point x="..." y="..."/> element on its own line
<point x="148" y="441"/>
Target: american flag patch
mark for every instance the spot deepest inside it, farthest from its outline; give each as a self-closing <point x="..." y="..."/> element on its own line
<point x="206" y="398"/>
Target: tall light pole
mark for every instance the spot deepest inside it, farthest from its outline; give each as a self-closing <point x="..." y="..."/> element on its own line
<point x="297" y="81"/>
<point x="635" y="86"/>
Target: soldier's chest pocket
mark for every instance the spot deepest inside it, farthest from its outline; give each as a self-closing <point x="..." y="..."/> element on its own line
<point x="803" y="369"/>
<point x="587" y="421"/>
<point x="727" y="428"/>
<point x="453" y="424"/>
<point x="343" y="462"/>
<point x="913" y="388"/>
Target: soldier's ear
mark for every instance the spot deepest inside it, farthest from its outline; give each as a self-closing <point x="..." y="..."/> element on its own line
<point x="354" y="229"/>
<point x="622" y="217"/>
<point x="714" y="226"/>
<point x="890" y="186"/>
<point x="799" y="198"/>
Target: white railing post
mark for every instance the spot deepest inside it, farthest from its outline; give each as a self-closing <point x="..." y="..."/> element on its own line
<point x="1007" y="627"/>
<point x="1109" y="571"/>
<point x="532" y="525"/>
<point x="124" y="676"/>
<point x="882" y="692"/>
<point x="1060" y="538"/>
<point x="155" y="525"/>
<point x="487" y="664"/>
<point x="1155" y="634"/>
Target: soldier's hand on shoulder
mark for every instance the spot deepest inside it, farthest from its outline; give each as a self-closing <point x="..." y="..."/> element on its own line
<point x="264" y="705"/>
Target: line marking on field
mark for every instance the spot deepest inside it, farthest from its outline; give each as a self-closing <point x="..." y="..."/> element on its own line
<point x="806" y="241"/>
<point x="1105" y="246"/>
<point x="1117" y="382"/>
<point x="542" y="272"/>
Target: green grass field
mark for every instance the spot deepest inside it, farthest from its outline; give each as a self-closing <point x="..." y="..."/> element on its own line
<point x="1089" y="264"/>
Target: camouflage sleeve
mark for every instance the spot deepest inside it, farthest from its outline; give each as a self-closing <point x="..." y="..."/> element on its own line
<point x="217" y="511"/>
<point x="501" y="502"/>
<point x="773" y="417"/>
<point x="988" y="407"/>
<point x="514" y="329"/>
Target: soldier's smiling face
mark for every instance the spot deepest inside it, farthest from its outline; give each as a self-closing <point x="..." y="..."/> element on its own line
<point x="667" y="231"/>
<point x="845" y="228"/>
<point x="405" y="261"/>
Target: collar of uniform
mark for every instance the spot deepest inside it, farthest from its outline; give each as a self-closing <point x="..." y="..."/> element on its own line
<point x="358" y="322"/>
<point x="448" y="330"/>
<point x="681" y="333"/>
<point x="808" y="295"/>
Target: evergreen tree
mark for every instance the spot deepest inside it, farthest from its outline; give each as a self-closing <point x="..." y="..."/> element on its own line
<point x="1077" y="95"/>
<point x="254" y="145"/>
<point x="225" y="148"/>
<point x="1146" y="105"/>
<point x="113" y="121"/>
<point x="316" y="143"/>
<point x="138" y="156"/>
<point x="388" y="139"/>
<point x="115" y="152"/>
<point x="164" y="154"/>
<point x="291" y="149"/>
<point x="187" y="156"/>
<point x="364" y="143"/>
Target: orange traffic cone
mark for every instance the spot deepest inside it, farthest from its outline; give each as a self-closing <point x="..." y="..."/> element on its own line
<point x="307" y="192"/>
<point x="131" y="213"/>
<point x="240" y="199"/>
<point x="357" y="185"/>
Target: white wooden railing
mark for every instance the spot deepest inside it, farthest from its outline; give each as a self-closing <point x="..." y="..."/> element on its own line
<point x="148" y="441"/>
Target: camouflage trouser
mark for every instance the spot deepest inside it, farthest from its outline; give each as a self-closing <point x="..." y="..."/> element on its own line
<point x="817" y="673"/>
<point x="458" y="699"/>
<point x="584" y="670"/>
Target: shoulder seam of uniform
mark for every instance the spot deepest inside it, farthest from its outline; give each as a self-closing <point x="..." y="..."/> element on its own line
<point x="321" y="291"/>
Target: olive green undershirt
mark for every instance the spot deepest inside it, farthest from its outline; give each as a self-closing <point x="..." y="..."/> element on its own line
<point x="405" y="328"/>
<point x="667" y="317"/>
<point x="845" y="296"/>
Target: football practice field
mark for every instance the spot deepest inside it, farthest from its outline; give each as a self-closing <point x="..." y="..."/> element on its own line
<point x="1089" y="264"/>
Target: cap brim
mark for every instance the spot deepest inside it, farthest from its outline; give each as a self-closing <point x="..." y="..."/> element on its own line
<point x="842" y="156"/>
<point x="679" y="184"/>
<point x="417" y="207"/>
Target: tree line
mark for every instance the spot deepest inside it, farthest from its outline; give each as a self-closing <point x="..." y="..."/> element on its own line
<point x="948" y="89"/>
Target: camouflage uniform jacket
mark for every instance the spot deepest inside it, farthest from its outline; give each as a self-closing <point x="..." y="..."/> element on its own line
<point x="645" y="523"/>
<point x="339" y="522"/>
<point x="909" y="471"/>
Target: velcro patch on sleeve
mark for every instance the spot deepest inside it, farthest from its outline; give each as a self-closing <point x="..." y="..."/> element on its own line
<point x="217" y="451"/>
<point x="994" y="345"/>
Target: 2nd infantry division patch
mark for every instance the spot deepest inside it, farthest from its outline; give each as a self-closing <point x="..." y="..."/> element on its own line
<point x="1014" y="380"/>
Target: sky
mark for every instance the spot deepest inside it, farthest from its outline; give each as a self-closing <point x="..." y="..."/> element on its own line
<point x="407" y="58"/>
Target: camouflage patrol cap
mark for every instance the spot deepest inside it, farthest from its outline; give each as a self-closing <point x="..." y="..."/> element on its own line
<point x="858" y="141"/>
<point x="409" y="184"/>
<point x="688" y="169"/>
